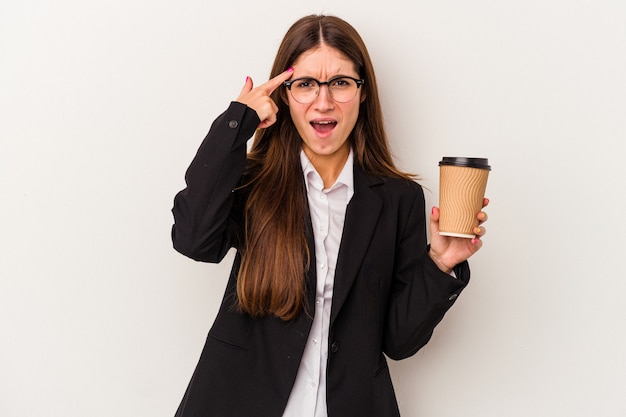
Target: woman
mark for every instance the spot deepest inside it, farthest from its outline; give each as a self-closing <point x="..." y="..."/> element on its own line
<point x="332" y="270"/>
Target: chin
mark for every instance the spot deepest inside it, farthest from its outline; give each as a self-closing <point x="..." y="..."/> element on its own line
<point x="324" y="150"/>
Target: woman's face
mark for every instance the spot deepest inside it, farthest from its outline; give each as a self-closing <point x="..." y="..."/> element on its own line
<point x="324" y="124"/>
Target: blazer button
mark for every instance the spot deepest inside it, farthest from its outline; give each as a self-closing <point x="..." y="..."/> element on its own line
<point x="453" y="297"/>
<point x="233" y="124"/>
<point x="334" y="347"/>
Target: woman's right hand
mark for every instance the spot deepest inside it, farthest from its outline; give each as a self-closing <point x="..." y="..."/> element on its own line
<point x="259" y="99"/>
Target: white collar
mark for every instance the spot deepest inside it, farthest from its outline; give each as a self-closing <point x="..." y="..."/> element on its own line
<point x="346" y="176"/>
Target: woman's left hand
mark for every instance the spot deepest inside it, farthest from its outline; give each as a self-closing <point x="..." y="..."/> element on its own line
<point x="446" y="251"/>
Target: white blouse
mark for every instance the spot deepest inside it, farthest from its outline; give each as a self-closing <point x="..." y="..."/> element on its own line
<point x="328" y="211"/>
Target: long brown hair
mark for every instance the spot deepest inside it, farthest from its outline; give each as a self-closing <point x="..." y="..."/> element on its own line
<point x="275" y="256"/>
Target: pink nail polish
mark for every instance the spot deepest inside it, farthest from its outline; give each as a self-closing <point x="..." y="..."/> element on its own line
<point x="290" y="69"/>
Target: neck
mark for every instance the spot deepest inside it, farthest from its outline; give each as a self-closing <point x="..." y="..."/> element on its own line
<point x="329" y="166"/>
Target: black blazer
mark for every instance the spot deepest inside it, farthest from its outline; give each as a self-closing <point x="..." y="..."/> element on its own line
<point x="388" y="294"/>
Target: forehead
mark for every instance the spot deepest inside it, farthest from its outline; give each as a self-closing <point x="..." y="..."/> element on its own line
<point x="323" y="60"/>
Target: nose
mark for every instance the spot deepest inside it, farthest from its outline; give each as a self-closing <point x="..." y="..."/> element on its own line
<point x="324" y="100"/>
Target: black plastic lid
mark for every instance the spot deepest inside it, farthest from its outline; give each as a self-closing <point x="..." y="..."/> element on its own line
<point x="482" y="163"/>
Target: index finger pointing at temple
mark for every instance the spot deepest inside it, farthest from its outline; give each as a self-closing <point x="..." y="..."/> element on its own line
<point x="276" y="82"/>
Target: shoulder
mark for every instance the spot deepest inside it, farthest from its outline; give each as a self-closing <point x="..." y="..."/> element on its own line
<point x="402" y="189"/>
<point x="393" y="190"/>
<point x="401" y="184"/>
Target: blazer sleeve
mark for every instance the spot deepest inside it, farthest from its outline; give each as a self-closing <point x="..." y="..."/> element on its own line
<point x="206" y="225"/>
<point x="421" y="293"/>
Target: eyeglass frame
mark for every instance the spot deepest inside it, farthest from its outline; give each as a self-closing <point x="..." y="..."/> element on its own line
<point x="359" y="82"/>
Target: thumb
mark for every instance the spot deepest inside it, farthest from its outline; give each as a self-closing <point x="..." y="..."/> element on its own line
<point x="247" y="87"/>
<point x="434" y="214"/>
<point x="434" y="220"/>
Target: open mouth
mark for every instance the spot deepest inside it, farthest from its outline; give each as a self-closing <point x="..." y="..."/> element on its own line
<point x="324" y="126"/>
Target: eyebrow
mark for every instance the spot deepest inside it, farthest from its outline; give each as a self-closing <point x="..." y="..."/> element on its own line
<point x="329" y="78"/>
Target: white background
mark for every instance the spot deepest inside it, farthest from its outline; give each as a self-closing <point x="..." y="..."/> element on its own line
<point x="104" y="103"/>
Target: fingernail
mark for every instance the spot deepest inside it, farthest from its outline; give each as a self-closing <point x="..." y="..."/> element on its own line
<point x="432" y="210"/>
<point x="474" y="241"/>
<point x="477" y="230"/>
<point x="247" y="78"/>
<point x="290" y="69"/>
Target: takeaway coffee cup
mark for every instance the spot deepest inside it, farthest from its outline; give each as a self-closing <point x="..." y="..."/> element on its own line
<point x="462" y="184"/>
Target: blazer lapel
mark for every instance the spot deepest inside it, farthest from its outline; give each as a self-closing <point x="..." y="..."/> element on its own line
<point x="361" y="219"/>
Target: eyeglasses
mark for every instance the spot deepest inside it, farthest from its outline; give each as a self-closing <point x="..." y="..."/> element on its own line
<point x="341" y="89"/>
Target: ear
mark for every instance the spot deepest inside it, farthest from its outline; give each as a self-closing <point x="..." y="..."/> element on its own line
<point x="363" y="95"/>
